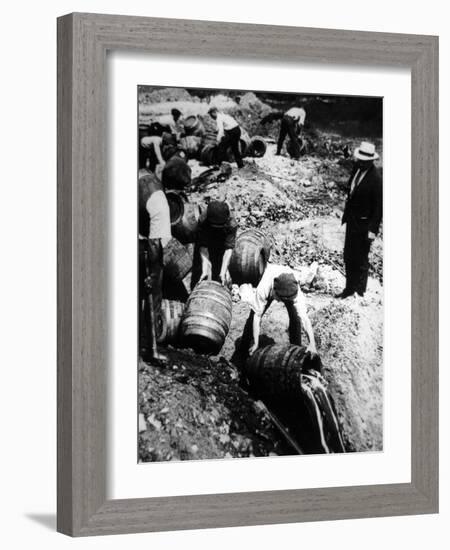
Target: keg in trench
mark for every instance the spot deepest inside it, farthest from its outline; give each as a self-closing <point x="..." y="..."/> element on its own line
<point x="294" y="149"/>
<point x="191" y="145"/>
<point x="193" y="126"/>
<point x="207" y="317"/>
<point x="287" y="379"/>
<point x="274" y="371"/>
<point x="210" y="137"/>
<point x="257" y="147"/>
<point x="250" y="256"/>
<point x="171" y="315"/>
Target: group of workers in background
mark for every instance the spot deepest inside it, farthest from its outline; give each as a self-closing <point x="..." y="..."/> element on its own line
<point x="216" y="235"/>
<point x="167" y="130"/>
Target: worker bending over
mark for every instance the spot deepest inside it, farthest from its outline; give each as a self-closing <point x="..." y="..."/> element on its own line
<point x="228" y="135"/>
<point x="216" y="239"/>
<point x="278" y="283"/>
<point x="150" y="155"/>
<point x="291" y="124"/>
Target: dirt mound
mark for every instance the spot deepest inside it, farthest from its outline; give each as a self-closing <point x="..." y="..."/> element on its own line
<point x="319" y="239"/>
<point x="194" y="408"/>
<point x="150" y="94"/>
<point x="250" y="101"/>
<point x="187" y="104"/>
<point x="350" y="341"/>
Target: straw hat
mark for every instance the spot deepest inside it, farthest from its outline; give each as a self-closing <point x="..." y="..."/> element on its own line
<point x="366" y="151"/>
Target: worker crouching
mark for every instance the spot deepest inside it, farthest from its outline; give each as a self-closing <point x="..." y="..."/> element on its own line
<point x="216" y="239"/>
<point x="281" y="284"/>
<point x="228" y="135"/>
<point x="291" y="124"/>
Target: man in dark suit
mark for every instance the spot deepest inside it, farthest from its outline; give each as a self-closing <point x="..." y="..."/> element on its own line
<point x="362" y="214"/>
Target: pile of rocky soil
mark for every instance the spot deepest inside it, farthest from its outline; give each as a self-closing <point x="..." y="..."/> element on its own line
<point x="193" y="407"/>
<point x="151" y="94"/>
<point x="349" y="336"/>
<point x="298" y="204"/>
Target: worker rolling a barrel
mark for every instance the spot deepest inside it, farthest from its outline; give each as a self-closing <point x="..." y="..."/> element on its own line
<point x="228" y="135"/>
<point x="154" y="235"/>
<point x="216" y="239"/>
<point x="278" y="283"/>
<point x="291" y="124"/>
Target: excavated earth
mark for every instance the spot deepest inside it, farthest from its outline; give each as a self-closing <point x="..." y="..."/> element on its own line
<point x="195" y="407"/>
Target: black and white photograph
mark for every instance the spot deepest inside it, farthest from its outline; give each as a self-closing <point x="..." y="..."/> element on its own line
<point x="260" y="276"/>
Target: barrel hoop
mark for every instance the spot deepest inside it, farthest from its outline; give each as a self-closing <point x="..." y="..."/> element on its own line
<point x="209" y="296"/>
<point x="207" y="332"/>
<point x="212" y="294"/>
<point x="193" y="318"/>
<point x="195" y="307"/>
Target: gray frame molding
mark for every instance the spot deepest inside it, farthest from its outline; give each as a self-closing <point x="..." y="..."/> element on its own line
<point x="83" y="40"/>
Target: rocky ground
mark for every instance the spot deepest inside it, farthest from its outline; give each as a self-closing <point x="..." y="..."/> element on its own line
<point x="196" y="407"/>
<point x="193" y="407"/>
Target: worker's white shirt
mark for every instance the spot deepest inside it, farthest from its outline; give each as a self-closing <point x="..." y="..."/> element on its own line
<point x="224" y="122"/>
<point x="148" y="141"/>
<point x="159" y="212"/>
<point x="298" y="114"/>
<point x="265" y="293"/>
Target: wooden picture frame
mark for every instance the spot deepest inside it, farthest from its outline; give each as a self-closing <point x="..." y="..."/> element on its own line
<point x="83" y="41"/>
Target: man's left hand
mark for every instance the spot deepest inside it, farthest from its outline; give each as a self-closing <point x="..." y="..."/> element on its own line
<point x="371" y="236"/>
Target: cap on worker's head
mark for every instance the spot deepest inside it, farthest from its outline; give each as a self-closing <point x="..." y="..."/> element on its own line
<point x="218" y="213"/>
<point x="285" y="286"/>
<point x="176" y="113"/>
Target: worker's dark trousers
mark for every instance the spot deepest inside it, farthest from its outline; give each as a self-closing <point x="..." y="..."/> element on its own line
<point x="289" y="127"/>
<point x="151" y="265"/>
<point x="147" y="158"/>
<point x="356" y="258"/>
<point x="231" y="140"/>
<point x="295" y="328"/>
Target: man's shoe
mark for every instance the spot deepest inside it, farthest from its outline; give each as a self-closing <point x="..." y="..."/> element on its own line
<point x="345" y="294"/>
